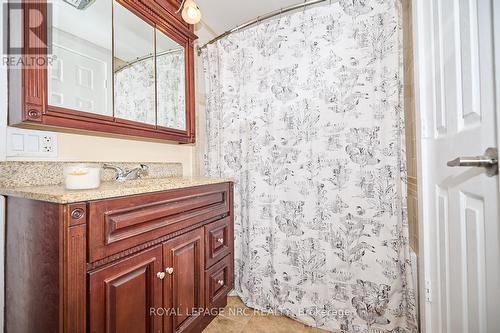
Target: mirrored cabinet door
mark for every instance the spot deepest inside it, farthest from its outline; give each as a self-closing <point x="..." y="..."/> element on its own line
<point x="134" y="67"/>
<point x="80" y="76"/>
<point x="171" y="82"/>
<point x="123" y="67"/>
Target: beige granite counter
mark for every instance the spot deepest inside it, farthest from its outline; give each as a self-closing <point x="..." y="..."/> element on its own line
<point x="40" y="173"/>
<point x="58" y="194"/>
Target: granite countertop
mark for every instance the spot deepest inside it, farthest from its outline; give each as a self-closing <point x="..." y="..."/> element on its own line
<point x="58" y="194"/>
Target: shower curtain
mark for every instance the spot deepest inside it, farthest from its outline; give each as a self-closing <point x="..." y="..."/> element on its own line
<point x="305" y="113"/>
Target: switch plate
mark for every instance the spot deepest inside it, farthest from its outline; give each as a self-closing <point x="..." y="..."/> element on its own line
<point x="31" y="143"/>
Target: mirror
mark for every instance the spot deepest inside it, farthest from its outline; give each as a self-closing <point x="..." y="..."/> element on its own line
<point x="134" y="67"/>
<point x="80" y="76"/>
<point x="96" y="42"/>
<point x="171" y="82"/>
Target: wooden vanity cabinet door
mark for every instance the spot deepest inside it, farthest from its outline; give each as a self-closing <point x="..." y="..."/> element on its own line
<point x="219" y="240"/>
<point x="183" y="288"/>
<point x="219" y="280"/>
<point x="122" y="295"/>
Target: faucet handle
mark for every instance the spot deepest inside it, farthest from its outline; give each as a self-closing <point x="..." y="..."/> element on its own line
<point x="119" y="171"/>
<point x="145" y="169"/>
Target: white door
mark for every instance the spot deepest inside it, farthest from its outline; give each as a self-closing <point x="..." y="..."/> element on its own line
<point x="455" y="82"/>
<point x="79" y="77"/>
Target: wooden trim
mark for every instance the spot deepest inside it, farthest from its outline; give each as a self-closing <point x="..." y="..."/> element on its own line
<point x="34" y="98"/>
<point x="74" y="279"/>
<point x="73" y="268"/>
<point x="167" y="13"/>
<point x="30" y="106"/>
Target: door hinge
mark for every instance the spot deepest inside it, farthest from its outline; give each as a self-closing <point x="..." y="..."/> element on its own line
<point x="428" y="291"/>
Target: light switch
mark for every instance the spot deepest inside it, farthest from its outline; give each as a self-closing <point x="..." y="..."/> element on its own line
<point x="17" y="143"/>
<point x="31" y="143"/>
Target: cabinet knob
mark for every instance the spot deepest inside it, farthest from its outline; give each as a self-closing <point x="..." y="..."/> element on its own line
<point x="221" y="282"/>
<point x="169" y="270"/>
<point x="77" y="213"/>
<point x="220" y="240"/>
<point x="160" y="275"/>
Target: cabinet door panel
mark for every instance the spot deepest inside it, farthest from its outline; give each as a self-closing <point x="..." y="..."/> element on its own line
<point x="122" y="294"/>
<point x="184" y="287"/>
<point x="219" y="282"/>
<point x="218" y="240"/>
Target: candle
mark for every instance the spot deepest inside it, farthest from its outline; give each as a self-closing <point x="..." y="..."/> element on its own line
<point x="82" y="177"/>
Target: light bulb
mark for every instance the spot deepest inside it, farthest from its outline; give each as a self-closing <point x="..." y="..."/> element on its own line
<point x="191" y="13"/>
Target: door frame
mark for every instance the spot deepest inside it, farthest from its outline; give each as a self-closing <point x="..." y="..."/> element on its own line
<point x="496" y="59"/>
<point x="419" y="58"/>
<point x="424" y="101"/>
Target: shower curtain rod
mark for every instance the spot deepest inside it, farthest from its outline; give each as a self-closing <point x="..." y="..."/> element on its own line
<point x="263" y="18"/>
<point x="148" y="56"/>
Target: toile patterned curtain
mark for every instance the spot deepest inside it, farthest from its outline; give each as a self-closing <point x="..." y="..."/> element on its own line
<point x="135" y="91"/>
<point x="305" y="113"/>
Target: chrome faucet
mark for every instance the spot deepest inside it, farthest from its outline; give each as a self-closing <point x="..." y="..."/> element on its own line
<point x="124" y="175"/>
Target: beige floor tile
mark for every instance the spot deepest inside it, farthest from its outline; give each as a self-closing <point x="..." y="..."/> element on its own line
<point x="237" y="311"/>
<point x="222" y="324"/>
<point x="274" y="324"/>
<point x="238" y="318"/>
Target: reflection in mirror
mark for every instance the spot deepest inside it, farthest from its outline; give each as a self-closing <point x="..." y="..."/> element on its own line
<point x="80" y="76"/>
<point x="170" y="76"/>
<point x="134" y="65"/>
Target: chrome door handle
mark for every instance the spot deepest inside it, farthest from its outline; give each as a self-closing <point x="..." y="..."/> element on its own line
<point x="489" y="161"/>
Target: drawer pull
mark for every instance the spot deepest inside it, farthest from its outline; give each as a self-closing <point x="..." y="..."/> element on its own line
<point x="169" y="270"/>
<point x="77" y="213"/>
<point x="220" y="240"/>
<point x="160" y="275"/>
<point x="220" y="282"/>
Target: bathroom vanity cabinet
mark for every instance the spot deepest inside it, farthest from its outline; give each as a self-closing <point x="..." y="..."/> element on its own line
<point x="157" y="262"/>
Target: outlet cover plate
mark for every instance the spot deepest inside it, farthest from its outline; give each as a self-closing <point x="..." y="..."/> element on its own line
<point x="31" y="143"/>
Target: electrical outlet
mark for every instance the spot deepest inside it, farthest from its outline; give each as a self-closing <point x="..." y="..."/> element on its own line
<point x="47" y="144"/>
<point x="30" y="143"/>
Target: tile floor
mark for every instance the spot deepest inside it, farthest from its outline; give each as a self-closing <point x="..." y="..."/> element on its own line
<point x="237" y="318"/>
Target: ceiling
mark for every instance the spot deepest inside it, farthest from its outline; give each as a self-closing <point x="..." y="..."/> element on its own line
<point x="222" y="15"/>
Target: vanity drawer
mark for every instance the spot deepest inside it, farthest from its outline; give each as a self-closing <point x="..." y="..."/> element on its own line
<point x="219" y="240"/>
<point x="116" y="225"/>
<point x="218" y="281"/>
